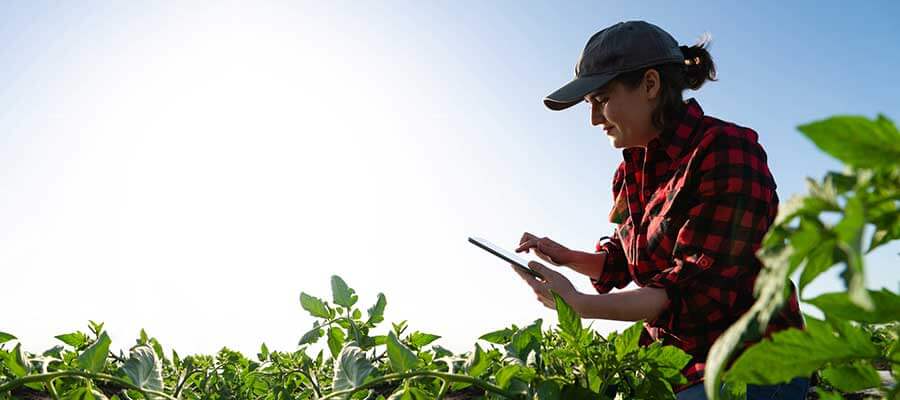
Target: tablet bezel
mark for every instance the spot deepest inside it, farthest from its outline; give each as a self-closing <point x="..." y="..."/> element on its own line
<point x="511" y="258"/>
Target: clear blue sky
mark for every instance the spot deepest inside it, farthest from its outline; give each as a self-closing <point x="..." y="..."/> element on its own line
<point x="190" y="169"/>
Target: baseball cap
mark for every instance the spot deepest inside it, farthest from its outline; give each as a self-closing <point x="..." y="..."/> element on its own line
<point x="623" y="47"/>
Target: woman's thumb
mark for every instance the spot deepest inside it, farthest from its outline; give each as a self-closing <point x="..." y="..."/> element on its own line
<point x="537" y="266"/>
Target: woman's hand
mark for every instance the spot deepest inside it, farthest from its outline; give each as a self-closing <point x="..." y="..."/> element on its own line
<point x="590" y="264"/>
<point x="552" y="281"/>
<point x="548" y="250"/>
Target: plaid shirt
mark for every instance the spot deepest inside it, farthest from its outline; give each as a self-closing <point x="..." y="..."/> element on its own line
<point x="692" y="209"/>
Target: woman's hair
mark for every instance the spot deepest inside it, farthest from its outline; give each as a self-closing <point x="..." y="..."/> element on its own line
<point x="698" y="67"/>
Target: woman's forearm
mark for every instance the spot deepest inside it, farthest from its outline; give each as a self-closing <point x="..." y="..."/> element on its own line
<point x="630" y="305"/>
<point x="590" y="264"/>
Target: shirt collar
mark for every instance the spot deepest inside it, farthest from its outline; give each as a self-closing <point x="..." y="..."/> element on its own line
<point x="675" y="139"/>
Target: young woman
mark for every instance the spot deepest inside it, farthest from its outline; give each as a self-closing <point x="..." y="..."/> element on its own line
<point x="692" y="200"/>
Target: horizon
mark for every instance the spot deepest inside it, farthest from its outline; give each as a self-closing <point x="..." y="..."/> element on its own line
<point x="190" y="170"/>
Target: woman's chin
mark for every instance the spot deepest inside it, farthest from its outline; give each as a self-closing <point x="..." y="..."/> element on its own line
<point x="615" y="143"/>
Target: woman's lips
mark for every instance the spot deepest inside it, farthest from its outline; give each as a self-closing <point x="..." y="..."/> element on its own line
<point x="609" y="129"/>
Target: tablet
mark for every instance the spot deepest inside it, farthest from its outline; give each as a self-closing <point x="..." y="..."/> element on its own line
<point x="507" y="256"/>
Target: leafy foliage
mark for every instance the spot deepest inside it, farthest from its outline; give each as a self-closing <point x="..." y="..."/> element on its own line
<point x="864" y="196"/>
<point x="568" y="362"/>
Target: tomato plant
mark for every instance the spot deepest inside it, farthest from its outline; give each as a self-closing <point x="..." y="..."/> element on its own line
<point x="569" y="361"/>
<point x="865" y="197"/>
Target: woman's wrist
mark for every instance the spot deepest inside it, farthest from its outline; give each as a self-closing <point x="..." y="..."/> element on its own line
<point x="590" y="264"/>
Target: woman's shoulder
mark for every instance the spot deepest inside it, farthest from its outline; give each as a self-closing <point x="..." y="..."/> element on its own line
<point x="730" y="152"/>
<point x="725" y="142"/>
<point x="723" y="132"/>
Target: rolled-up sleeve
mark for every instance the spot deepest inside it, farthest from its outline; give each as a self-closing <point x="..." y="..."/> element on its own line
<point x="615" y="268"/>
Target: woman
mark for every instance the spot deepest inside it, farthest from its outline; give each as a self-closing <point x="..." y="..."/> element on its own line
<point x="693" y="199"/>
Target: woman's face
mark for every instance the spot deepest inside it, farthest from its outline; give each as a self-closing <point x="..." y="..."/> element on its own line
<point x="625" y="114"/>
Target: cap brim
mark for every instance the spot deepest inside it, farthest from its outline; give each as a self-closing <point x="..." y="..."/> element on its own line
<point x="573" y="92"/>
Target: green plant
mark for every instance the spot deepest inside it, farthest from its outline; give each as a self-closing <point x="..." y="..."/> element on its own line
<point x="864" y="196"/>
<point x="568" y="362"/>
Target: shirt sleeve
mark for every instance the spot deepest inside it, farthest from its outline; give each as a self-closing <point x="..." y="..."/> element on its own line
<point x="734" y="205"/>
<point x="615" y="268"/>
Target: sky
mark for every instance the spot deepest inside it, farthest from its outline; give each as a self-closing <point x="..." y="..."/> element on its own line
<point x="190" y="167"/>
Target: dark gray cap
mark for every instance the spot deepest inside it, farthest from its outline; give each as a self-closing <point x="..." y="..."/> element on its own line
<point x="623" y="47"/>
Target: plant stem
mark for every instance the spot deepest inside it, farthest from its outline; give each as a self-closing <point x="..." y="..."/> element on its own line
<point x="9" y="386"/>
<point x="444" y="387"/>
<point x="353" y="328"/>
<point x="447" y="377"/>
<point x="187" y="376"/>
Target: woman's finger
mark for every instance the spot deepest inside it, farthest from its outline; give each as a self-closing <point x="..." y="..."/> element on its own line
<point x="530" y="280"/>
<point x="527" y="245"/>
<point x="526" y="237"/>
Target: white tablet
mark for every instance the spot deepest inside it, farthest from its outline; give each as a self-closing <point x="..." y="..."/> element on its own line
<point x="508" y="256"/>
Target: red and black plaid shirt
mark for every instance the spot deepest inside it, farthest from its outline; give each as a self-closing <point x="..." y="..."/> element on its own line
<point x="692" y="209"/>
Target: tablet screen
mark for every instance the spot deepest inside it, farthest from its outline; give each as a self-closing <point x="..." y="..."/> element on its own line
<point x="505" y="255"/>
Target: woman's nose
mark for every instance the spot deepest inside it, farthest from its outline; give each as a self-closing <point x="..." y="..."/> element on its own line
<point x="597" y="117"/>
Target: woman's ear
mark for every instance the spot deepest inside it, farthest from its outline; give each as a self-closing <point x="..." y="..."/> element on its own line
<point x="651" y="84"/>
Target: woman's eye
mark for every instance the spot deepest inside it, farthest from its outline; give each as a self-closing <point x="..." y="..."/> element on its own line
<point x="600" y="102"/>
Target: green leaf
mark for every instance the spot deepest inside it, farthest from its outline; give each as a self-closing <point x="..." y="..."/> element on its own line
<point x="654" y="387"/>
<point x="887" y="228"/>
<point x="627" y="342"/>
<point x="792" y="352"/>
<point x="505" y="375"/>
<point x="5" y="337"/>
<point x="16" y="361"/>
<point x="336" y="338"/>
<point x="477" y="363"/>
<point x="157" y="348"/>
<point x="343" y="294"/>
<point x="399" y="327"/>
<point x="263" y="354"/>
<point x="376" y="312"/>
<point x="402" y="358"/>
<point x="351" y="368"/>
<point x="826" y="395"/>
<point x="315" y="306"/>
<point x="96" y="327"/>
<point x="856" y="140"/>
<point x="501" y="336"/>
<point x="852" y="377"/>
<point x="804" y="240"/>
<point x="818" y="261"/>
<point x="74" y="339"/>
<point x="418" y="339"/>
<point x="402" y="393"/>
<point x="569" y="320"/>
<point x="887" y="307"/>
<point x="669" y="359"/>
<point x="94" y="357"/>
<point x="311" y="336"/>
<point x="144" y="369"/>
<point x="525" y="341"/>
